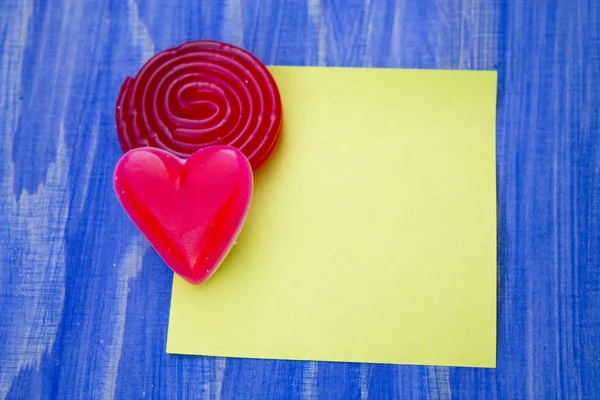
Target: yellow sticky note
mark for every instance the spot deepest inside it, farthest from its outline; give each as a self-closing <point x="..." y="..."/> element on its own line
<point x="372" y="232"/>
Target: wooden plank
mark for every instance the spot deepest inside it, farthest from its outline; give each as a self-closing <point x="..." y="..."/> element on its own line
<point x="84" y="300"/>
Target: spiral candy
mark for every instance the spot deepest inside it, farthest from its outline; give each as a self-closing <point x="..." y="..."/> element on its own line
<point x="199" y="94"/>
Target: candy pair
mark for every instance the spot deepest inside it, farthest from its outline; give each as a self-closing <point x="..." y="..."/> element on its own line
<point x="194" y="123"/>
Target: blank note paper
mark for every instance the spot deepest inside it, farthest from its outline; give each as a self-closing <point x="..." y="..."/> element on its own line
<point x="372" y="232"/>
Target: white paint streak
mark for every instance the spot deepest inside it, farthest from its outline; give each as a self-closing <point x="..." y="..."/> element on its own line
<point x="309" y="380"/>
<point x="439" y="383"/>
<point x="139" y="31"/>
<point x="368" y="15"/>
<point x="233" y="24"/>
<point x="316" y="16"/>
<point x="396" y="40"/>
<point x="89" y="160"/>
<point x="220" y="364"/>
<point x="462" y="21"/>
<point x="129" y="267"/>
<point x="364" y="381"/>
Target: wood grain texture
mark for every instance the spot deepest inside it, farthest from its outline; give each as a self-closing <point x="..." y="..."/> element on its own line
<point x="84" y="301"/>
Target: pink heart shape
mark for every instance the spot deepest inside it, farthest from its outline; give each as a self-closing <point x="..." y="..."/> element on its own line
<point x="190" y="211"/>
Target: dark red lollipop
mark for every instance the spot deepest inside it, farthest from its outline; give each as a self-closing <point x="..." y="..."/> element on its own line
<point x="199" y="94"/>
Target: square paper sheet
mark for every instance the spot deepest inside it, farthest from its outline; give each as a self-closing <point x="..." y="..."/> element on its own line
<point x="372" y="232"/>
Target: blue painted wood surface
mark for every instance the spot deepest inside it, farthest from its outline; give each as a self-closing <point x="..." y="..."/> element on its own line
<point x="84" y="301"/>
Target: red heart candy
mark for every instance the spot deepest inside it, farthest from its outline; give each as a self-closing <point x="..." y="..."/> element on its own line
<point x="190" y="211"/>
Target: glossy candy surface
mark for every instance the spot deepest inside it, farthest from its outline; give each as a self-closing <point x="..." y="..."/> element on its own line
<point x="199" y="94"/>
<point x="191" y="211"/>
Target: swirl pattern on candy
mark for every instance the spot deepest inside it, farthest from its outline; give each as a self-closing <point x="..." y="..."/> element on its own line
<point x="199" y="94"/>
